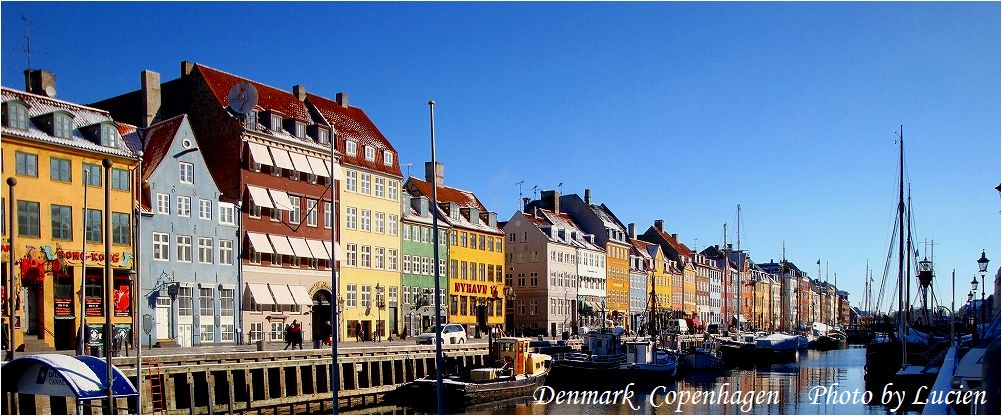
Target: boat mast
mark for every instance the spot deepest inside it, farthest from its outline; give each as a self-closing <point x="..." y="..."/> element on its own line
<point x="741" y="269"/>
<point x="901" y="244"/>
<point x="726" y="281"/>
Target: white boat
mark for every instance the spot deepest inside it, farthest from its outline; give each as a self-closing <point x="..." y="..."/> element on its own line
<point x="777" y="344"/>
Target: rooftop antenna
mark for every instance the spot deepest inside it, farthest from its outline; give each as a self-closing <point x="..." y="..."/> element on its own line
<point x="408" y="166"/>
<point x="560" y="187"/>
<point x="27" y="39"/>
<point x="535" y="190"/>
<point x="519" y="183"/>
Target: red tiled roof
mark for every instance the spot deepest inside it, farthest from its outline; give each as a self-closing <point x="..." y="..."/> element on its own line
<point x="269" y="98"/>
<point x="158" y="139"/>
<point x="351" y="123"/>
<point x="446" y="194"/>
<point x="640" y="244"/>
<point x="677" y="245"/>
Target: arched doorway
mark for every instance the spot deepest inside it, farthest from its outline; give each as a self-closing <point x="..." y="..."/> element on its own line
<point x="321" y="315"/>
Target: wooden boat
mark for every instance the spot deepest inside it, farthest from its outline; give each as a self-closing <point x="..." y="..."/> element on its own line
<point x="518" y="373"/>
<point x="702" y="359"/>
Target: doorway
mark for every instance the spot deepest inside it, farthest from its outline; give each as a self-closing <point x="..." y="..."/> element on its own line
<point x="32" y="310"/>
<point x="321" y="315"/>
<point x="184" y="335"/>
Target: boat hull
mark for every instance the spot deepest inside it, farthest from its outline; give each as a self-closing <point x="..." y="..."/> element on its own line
<point x="462" y="393"/>
<point x="701" y="361"/>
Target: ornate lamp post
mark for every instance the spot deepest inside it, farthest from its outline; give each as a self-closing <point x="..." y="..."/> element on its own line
<point x="970" y="305"/>
<point x="982" y="269"/>
<point x="974" y="290"/>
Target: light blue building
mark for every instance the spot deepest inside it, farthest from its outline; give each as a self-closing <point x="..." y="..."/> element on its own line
<point x="189" y="243"/>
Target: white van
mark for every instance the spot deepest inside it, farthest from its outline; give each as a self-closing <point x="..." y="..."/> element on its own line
<point x="678" y="326"/>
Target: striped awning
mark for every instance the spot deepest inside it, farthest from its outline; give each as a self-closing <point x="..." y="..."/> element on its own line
<point x="281" y="244"/>
<point x="282" y="158"/>
<point x="301" y="163"/>
<point x="259" y="292"/>
<point x="318" y="249"/>
<point x="319" y="168"/>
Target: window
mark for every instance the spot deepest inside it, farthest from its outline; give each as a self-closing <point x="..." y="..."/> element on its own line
<point x="394" y="190"/>
<point x="62" y="222"/>
<point x="204" y="250"/>
<point x="425" y="235"/>
<point x="351" y="181"/>
<point x="276" y="260"/>
<point x="277" y="332"/>
<point x="533" y="306"/>
<point x="184" y="248"/>
<point x="184" y="206"/>
<point x="366" y="183"/>
<point x="94" y="227"/>
<point x="380" y="222"/>
<point x="366" y="256"/>
<point x="380" y="187"/>
<point x="253" y="210"/>
<point x="407" y="263"/>
<point x="462" y="239"/>
<point x="441" y="267"/>
<point x="250" y="123"/>
<point x="453" y="266"/>
<point x="311" y="212"/>
<point x="415" y="265"/>
<point x="185" y="305"/>
<point x="92" y="174"/>
<point x="352" y="251"/>
<point x="295" y="262"/>
<point x="225" y="252"/>
<point x="226" y="213"/>
<point x="295" y="215"/>
<point x="227" y="332"/>
<point x="300" y="130"/>
<point x="370" y="153"/>
<point x="17" y="116"/>
<point x="392" y="259"/>
<point x="352" y="299"/>
<point x="62" y="125"/>
<point x="204" y="209"/>
<point x="380" y="258"/>
<point x="366" y="296"/>
<point x="59" y="169"/>
<point x="160" y="246"/>
<point x="206" y="307"/>
<point x="328" y="213"/>
<point x="394" y="219"/>
<point x="253" y="257"/>
<point x="120" y="179"/>
<point x="350" y="148"/>
<point x="163" y="204"/>
<point x="407" y="232"/>
<point x="351" y="217"/>
<point x="276" y="123"/>
<point x="27" y="164"/>
<point x="187" y="172"/>
<point x="366" y="220"/>
<point x="387" y="158"/>
<point x="120" y="230"/>
<point x="323" y="136"/>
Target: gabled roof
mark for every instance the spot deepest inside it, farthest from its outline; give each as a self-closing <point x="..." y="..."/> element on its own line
<point x="82" y="116"/>
<point x="644" y="248"/>
<point x="564" y="221"/>
<point x="269" y="98"/>
<point x="445" y="194"/>
<point x="351" y="123"/>
<point x="678" y="246"/>
<point x="157" y="141"/>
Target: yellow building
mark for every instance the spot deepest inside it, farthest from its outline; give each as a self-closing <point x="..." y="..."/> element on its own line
<point x="660" y="266"/>
<point x="476" y="252"/>
<point x="369" y="223"/>
<point x="617" y="276"/>
<point x="51" y="148"/>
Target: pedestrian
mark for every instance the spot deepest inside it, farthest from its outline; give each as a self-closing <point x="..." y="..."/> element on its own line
<point x="330" y="333"/>
<point x="358" y="332"/>
<point x="297" y="332"/>
<point x="288" y="337"/>
<point x="521" y="330"/>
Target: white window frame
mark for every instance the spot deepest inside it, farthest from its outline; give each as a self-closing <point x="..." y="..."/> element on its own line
<point x="366" y="184"/>
<point x="295" y="214"/>
<point x="205" y="248"/>
<point x="394" y="190"/>
<point x="350" y="148"/>
<point x="161" y="246"/>
<point x="351" y="218"/>
<point x="394" y="222"/>
<point x="226" y="213"/>
<point x="204" y="209"/>
<point x="387" y="158"/>
<point x="183" y="244"/>
<point x="370" y="153"/>
<point x="183" y="206"/>
<point x="328" y="211"/>
<point x="311" y="212"/>
<point x="407" y="263"/>
<point x="391" y="259"/>
<point x="163" y="204"/>
<point x="226" y="252"/>
<point x="186" y="172"/>
<point x="351" y="180"/>
<point x="380" y="187"/>
<point x="380" y="222"/>
<point x="366" y="220"/>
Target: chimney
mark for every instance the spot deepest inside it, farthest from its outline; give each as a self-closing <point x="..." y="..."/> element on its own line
<point x="300" y="92"/>
<point x="535" y="212"/>
<point x="150" y="82"/>
<point x="40" y="81"/>
<point x="342" y="99"/>
<point x="525" y="202"/>
<point x="438" y="173"/>
<point x="633" y="230"/>
<point x="587" y="196"/>
<point x="186" y="68"/>
<point x="659" y="224"/>
<point x="551" y="200"/>
<point x="674" y="236"/>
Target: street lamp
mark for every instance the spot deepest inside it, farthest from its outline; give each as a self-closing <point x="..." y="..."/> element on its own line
<point x="379" y="308"/>
<point x="982" y="268"/>
<point x="970" y="313"/>
<point x="974" y="290"/>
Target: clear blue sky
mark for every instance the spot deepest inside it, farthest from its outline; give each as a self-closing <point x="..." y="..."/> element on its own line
<point x="666" y="111"/>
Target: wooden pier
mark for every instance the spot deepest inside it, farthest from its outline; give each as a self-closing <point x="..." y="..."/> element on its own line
<point x="268" y="382"/>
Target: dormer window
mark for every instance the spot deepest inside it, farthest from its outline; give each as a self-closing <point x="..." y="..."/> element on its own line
<point x="370" y="153"/>
<point x="387" y="158"/>
<point x="250" y="120"/>
<point x="323" y="136"/>
<point x="62" y="125"/>
<point x="276" y="122"/>
<point x="109" y="135"/>
<point x="16" y="115"/>
<point x="300" y="130"/>
<point x="350" y="148"/>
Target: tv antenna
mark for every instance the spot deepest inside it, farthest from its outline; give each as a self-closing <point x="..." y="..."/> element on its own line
<point x="242" y="98"/>
<point x="27" y="39"/>
<point x="535" y="190"/>
<point x="519" y="183"/>
<point x="408" y="166"/>
<point x="560" y="187"/>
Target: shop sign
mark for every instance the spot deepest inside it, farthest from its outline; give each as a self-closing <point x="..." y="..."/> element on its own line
<point x="122" y="300"/>
<point x="64" y="307"/>
<point x="94" y="306"/>
<point x="475" y="289"/>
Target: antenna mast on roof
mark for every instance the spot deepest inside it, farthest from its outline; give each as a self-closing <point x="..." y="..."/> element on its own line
<point x="408" y="166"/>
<point x="535" y="190"/>
<point x="519" y="183"/>
<point x="560" y="187"/>
<point x="27" y="39"/>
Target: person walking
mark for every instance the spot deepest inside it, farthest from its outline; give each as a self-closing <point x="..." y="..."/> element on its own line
<point x="358" y="332"/>
<point x="288" y="337"/>
<point x="297" y="334"/>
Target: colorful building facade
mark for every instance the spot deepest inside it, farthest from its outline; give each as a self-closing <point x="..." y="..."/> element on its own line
<point x="417" y="264"/>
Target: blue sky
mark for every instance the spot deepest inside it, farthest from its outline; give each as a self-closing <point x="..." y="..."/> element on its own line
<point x="674" y="111"/>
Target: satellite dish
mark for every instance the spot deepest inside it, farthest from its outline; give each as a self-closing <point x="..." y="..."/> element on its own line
<point x="242" y="98"/>
<point x="50" y="91"/>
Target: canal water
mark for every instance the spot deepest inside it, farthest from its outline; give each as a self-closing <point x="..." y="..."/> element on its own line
<point x="794" y="383"/>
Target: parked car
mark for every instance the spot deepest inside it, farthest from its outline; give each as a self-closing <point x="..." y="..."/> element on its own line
<point x="451" y="334"/>
<point x="678" y="326"/>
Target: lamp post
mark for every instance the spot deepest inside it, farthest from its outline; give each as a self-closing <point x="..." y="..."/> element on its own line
<point x="11" y="182"/>
<point x="970" y="305"/>
<point x="379" y="308"/>
<point x="982" y="269"/>
<point x="974" y="291"/>
<point x="509" y="295"/>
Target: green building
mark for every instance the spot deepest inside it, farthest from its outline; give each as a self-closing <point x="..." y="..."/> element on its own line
<point x="418" y="258"/>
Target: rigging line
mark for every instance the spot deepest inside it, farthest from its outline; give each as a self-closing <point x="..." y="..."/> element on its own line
<point x="887" y="266"/>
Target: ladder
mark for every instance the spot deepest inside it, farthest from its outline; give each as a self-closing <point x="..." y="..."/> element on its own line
<point x="156" y="377"/>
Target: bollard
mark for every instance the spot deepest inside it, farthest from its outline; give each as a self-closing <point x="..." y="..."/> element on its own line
<point x="260" y="345"/>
